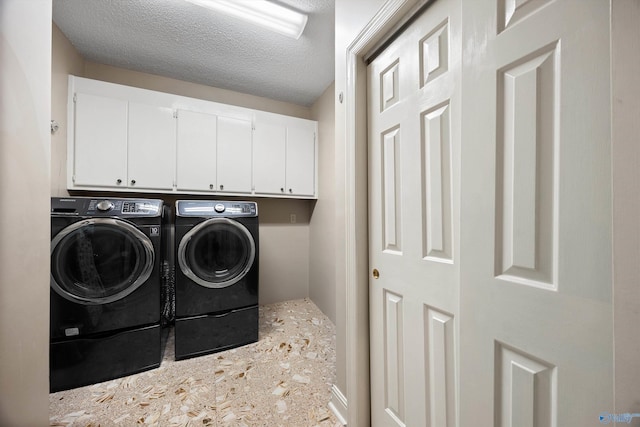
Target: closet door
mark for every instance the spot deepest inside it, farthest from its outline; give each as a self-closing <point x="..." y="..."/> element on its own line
<point x="536" y="342"/>
<point x="414" y="144"/>
<point x="490" y="217"/>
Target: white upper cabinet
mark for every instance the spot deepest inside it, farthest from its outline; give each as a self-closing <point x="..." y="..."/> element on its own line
<point x="196" y="151"/>
<point x="234" y="155"/>
<point x="284" y="155"/>
<point x="123" y="144"/>
<point x="128" y="139"/>
<point x="151" y="147"/>
<point x="269" y="155"/>
<point x="301" y="154"/>
<point x="100" y="142"/>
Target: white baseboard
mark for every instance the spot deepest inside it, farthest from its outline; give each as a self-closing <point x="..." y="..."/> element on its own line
<point x="338" y="405"/>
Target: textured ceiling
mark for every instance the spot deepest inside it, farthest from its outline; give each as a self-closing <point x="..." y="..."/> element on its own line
<point x="178" y="39"/>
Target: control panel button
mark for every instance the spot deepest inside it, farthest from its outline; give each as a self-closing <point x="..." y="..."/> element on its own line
<point x="104" y="206"/>
<point x="219" y="207"/>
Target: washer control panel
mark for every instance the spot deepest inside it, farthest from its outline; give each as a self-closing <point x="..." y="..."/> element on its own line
<point x="122" y="207"/>
<point x="206" y="208"/>
<point x="106" y="207"/>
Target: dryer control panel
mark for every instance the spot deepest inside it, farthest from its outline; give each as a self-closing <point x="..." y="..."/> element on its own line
<point x="211" y="208"/>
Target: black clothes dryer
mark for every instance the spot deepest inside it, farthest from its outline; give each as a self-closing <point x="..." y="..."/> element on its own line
<point x="105" y="289"/>
<point x="216" y="299"/>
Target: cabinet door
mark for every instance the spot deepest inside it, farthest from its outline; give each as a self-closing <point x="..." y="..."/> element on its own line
<point x="269" y="145"/>
<point x="234" y="155"/>
<point x="152" y="147"/>
<point x="301" y="153"/>
<point x="100" y="141"/>
<point x="196" y="151"/>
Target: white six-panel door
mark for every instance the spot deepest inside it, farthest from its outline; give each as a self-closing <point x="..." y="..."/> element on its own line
<point x="536" y="283"/>
<point x="414" y="157"/>
<point x="489" y="217"/>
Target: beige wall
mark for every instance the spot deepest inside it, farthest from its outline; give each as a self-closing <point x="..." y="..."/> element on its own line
<point x="25" y="112"/>
<point x="284" y="247"/>
<point x="322" y="280"/>
<point x="107" y="73"/>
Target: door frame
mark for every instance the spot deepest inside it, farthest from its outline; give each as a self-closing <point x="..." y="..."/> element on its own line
<point x="625" y="152"/>
<point x="391" y="15"/>
<point x="626" y="177"/>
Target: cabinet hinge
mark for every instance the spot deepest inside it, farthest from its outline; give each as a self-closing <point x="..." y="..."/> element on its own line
<point x="73" y="178"/>
<point x="175" y="114"/>
<point x="75" y="97"/>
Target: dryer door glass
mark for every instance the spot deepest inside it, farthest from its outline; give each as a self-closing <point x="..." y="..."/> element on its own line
<point x="100" y="261"/>
<point x="217" y="253"/>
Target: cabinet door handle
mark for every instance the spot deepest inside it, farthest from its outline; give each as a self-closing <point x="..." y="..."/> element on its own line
<point x="119" y="181"/>
<point x="282" y="190"/>
<point x="210" y="186"/>
<point x="290" y="190"/>
<point x="133" y="182"/>
<point x="221" y="187"/>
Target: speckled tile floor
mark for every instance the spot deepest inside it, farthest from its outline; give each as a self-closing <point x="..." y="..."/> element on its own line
<point x="282" y="380"/>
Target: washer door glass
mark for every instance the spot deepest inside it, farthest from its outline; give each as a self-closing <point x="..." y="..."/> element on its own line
<point x="100" y="260"/>
<point x="217" y="253"/>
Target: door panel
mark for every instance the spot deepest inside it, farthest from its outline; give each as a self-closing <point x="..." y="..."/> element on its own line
<point x="489" y="217"/>
<point x="391" y="190"/>
<point x="393" y="356"/>
<point x="436" y="189"/>
<point x="536" y="223"/>
<point x="414" y="137"/>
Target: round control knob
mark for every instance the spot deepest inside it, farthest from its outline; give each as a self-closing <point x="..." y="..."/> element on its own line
<point x="219" y="208"/>
<point x="104" y="206"/>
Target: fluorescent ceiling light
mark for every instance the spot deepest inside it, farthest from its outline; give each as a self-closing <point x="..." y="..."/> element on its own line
<point x="261" y="12"/>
